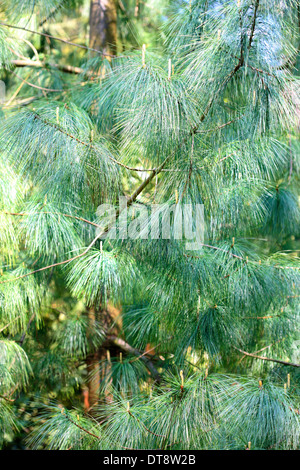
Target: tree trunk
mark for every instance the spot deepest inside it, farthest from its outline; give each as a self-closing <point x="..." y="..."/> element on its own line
<point x="93" y="381"/>
<point x="97" y="376"/>
<point x="103" y="26"/>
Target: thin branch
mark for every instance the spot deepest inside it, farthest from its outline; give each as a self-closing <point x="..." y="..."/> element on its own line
<point x="190" y="169"/>
<point x="148" y="430"/>
<point x="23" y="214"/>
<point x="65" y="41"/>
<point x="60" y="263"/>
<point x="265" y="347"/>
<point x="39" y="64"/>
<point x="291" y="160"/>
<point x="11" y="100"/>
<point x="145" y="353"/>
<point x="36" y="86"/>
<point x="23" y="102"/>
<point x="221" y="126"/>
<point x="81" y="428"/>
<point x="51" y="14"/>
<point x="130" y="201"/>
<point x="218" y="249"/>
<point x="266" y="317"/>
<point x="246" y="261"/>
<point x="253" y="24"/>
<point x="262" y="358"/>
<point x="7" y="399"/>
<point x="7" y="325"/>
<point x="89" y="145"/>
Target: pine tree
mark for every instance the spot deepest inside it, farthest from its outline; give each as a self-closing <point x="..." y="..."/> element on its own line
<point x="140" y="343"/>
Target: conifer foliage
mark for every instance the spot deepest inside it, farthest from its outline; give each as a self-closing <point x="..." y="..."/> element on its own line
<point x="140" y="343"/>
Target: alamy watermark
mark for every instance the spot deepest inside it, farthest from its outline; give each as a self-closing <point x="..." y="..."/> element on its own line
<point x="156" y="221"/>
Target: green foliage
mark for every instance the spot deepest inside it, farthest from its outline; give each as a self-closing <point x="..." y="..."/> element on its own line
<point x="187" y="349"/>
<point x="76" y="338"/>
<point x="203" y="412"/>
<point x="100" y="275"/>
<point x="54" y="145"/>
<point x="20" y="300"/>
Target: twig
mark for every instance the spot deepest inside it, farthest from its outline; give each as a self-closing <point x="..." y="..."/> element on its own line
<point x="88" y="144"/>
<point x="221" y="126"/>
<point x="23" y="214"/>
<point x="148" y="430"/>
<point x="4" y="327"/>
<point x="145" y="353"/>
<point x="57" y="39"/>
<point x="7" y="399"/>
<point x="253" y="24"/>
<point x="63" y="68"/>
<point x="264" y="348"/>
<point x="80" y="427"/>
<point x="262" y="358"/>
<point x="35" y="86"/>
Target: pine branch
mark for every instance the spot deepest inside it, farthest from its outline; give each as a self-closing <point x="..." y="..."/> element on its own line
<point x="253" y="24"/>
<point x="262" y="358"/>
<point x="39" y="64"/>
<point x="130" y="201"/>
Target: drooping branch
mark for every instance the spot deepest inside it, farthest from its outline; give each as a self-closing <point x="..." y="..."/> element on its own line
<point x="88" y="144"/>
<point x="65" y="41"/>
<point x="7" y="399"/>
<point x="8" y="324"/>
<point x="263" y="358"/>
<point x="253" y="24"/>
<point x="80" y="427"/>
<point x="24" y="214"/>
<point x="53" y="90"/>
